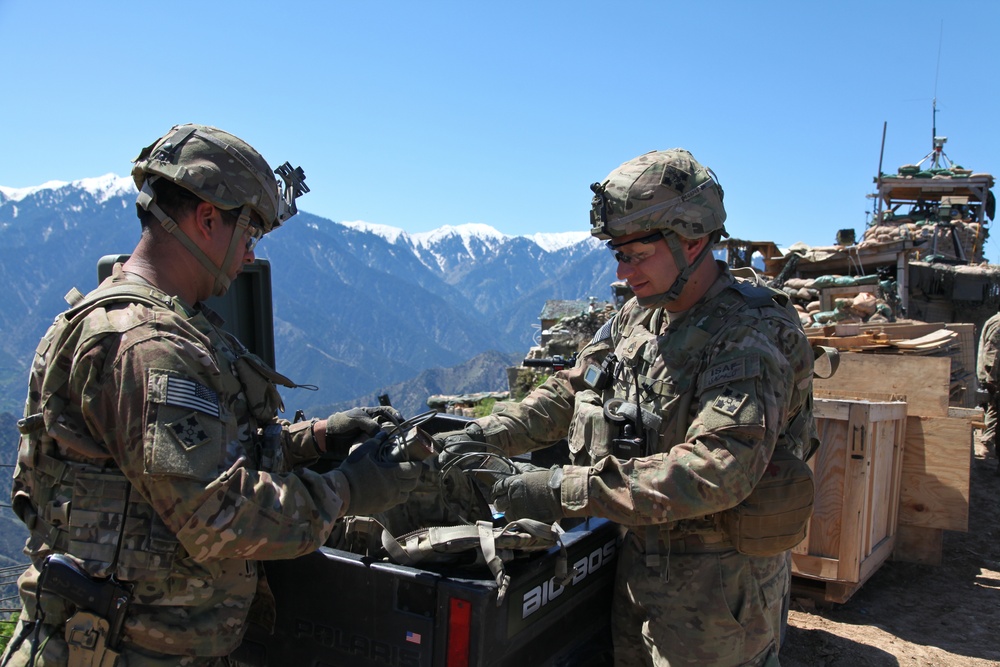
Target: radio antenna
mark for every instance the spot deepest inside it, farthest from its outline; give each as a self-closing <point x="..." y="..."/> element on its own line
<point x="937" y="72"/>
<point x="937" y="157"/>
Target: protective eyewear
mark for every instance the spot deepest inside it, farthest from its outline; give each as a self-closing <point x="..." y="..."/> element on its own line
<point x="627" y="258"/>
<point x="254" y="234"/>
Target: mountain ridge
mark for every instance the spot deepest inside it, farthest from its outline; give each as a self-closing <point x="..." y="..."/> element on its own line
<point x="356" y="309"/>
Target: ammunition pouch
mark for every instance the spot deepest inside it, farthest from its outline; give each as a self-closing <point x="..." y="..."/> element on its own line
<point x="87" y="636"/>
<point x="590" y="433"/>
<point x="774" y="517"/>
<point x="257" y="380"/>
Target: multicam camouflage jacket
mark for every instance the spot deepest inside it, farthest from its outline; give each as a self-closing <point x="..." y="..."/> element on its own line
<point x="987" y="369"/>
<point x="151" y="451"/>
<point x="720" y="386"/>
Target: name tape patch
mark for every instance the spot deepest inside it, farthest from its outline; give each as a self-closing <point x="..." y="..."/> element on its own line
<point x="730" y="371"/>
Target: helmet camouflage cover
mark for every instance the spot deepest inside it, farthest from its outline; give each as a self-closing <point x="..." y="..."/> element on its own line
<point x="667" y="190"/>
<point x="223" y="170"/>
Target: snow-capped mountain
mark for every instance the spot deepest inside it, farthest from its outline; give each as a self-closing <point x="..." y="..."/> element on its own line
<point x="440" y="248"/>
<point x="357" y="306"/>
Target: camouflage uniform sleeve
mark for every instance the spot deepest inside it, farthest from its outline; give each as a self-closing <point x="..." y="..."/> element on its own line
<point x="752" y="380"/>
<point x="544" y="416"/>
<point x="301" y="447"/>
<point x="187" y="462"/>
<point x="987" y="370"/>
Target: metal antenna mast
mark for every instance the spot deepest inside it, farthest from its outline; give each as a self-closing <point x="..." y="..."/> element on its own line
<point x="937" y="156"/>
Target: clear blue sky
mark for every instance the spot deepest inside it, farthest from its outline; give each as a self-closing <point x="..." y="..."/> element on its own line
<point x="422" y="114"/>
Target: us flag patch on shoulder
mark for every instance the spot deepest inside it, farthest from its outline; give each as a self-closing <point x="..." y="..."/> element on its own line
<point x="185" y="393"/>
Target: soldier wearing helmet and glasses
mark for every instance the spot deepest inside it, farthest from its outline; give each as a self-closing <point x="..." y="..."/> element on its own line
<point x="688" y="419"/>
<point x="152" y="461"/>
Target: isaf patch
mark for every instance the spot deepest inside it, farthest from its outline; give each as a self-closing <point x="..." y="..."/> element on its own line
<point x="729" y="402"/>
<point x="729" y="371"/>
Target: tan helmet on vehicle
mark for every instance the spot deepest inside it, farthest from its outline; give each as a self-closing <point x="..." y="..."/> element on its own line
<point x="667" y="191"/>
<point x="225" y="171"/>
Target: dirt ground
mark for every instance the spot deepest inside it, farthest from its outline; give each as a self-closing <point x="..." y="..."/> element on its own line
<point x="910" y="615"/>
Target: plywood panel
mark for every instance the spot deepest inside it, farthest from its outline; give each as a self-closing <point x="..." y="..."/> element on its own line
<point x="828" y="465"/>
<point x="936" y="462"/>
<point x="924" y="381"/>
<point x="884" y="483"/>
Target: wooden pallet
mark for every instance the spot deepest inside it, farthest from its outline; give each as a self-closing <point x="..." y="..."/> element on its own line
<point x="823" y="591"/>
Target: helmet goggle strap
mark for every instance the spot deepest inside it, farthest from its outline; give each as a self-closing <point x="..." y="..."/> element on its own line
<point x="685" y="269"/>
<point x="236" y="244"/>
<point x="147" y="201"/>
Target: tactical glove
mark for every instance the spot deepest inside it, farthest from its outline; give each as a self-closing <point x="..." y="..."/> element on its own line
<point x="530" y="495"/>
<point x="343" y="429"/>
<point x="377" y="485"/>
<point x="452" y="445"/>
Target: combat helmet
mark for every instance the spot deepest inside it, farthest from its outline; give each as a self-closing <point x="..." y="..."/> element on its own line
<point x="225" y="171"/>
<point x="667" y="191"/>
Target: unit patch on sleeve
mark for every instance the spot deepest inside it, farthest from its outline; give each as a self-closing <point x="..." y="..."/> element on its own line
<point x="729" y="402"/>
<point x="189" y="431"/>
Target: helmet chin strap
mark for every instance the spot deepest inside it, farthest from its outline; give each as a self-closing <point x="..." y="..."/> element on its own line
<point x="222" y="282"/>
<point x="663" y="299"/>
<point x="236" y="243"/>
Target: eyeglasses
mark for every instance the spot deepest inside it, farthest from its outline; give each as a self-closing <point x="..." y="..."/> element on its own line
<point x="254" y="235"/>
<point x="626" y="258"/>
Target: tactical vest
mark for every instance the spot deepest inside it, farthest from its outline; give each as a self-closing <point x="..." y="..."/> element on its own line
<point x="83" y="505"/>
<point x="664" y="370"/>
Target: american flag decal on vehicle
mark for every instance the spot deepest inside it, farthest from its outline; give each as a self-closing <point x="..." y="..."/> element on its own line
<point x="185" y="393"/>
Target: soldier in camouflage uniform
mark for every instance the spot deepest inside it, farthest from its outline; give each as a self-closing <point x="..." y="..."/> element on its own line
<point x="696" y="390"/>
<point x="988" y="372"/>
<point x="151" y="453"/>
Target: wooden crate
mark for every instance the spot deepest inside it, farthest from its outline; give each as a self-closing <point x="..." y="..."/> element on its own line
<point x="937" y="457"/>
<point x="857" y="472"/>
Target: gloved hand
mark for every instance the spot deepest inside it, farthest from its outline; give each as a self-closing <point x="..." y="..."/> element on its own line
<point x="534" y="494"/>
<point x="524" y="466"/>
<point x="451" y="445"/>
<point x="376" y="485"/>
<point x="345" y="428"/>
